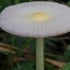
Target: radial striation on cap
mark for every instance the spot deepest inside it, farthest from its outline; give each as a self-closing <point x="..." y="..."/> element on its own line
<point x="36" y="19"/>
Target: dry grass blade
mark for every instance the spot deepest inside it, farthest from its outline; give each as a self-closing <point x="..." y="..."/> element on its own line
<point x="55" y="63"/>
<point x="5" y="47"/>
<point x="8" y="46"/>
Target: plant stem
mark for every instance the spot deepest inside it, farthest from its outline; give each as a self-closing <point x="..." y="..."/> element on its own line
<point x="10" y="53"/>
<point x="39" y="54"/>
<point x="23" y="46"/>
<point x="53" y="55"/>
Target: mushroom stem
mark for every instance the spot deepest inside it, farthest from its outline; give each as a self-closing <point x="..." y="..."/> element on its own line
<point x="39" y="54"/>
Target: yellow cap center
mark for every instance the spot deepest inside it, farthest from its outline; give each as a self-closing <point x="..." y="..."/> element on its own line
<point x="39" y="16"/>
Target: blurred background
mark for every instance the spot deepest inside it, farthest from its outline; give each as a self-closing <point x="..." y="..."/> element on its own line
<point x="56" y="49"/>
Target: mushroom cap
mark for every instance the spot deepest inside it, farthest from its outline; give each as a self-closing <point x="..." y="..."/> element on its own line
<point x="36" y="19"/>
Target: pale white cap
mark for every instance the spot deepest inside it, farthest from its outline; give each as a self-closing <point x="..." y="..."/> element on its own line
<point x="16" y="19"/>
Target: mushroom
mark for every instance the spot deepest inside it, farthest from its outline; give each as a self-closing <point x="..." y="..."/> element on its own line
<point x="38" y="20"/>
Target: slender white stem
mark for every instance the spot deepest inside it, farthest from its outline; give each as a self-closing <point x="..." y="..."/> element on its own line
<point x="39" y="54"/>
